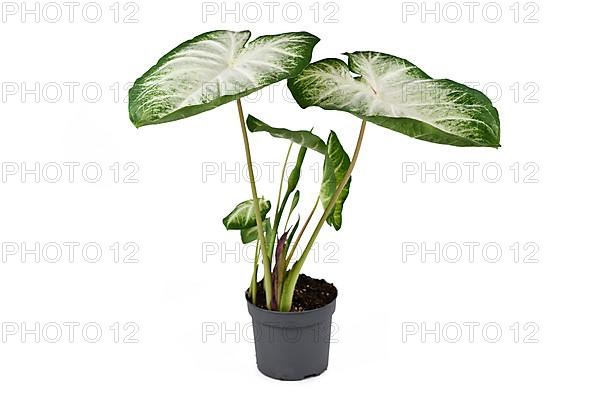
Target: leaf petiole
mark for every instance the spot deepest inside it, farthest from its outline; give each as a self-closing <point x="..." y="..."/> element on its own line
<point x="259" y="222"/>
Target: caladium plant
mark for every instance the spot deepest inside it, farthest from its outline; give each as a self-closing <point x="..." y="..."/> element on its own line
<point x="213" y="69"/>
<point x="221" y="66"/>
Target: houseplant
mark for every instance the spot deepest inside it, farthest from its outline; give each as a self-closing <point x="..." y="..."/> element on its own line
<point x="221" y="66"/>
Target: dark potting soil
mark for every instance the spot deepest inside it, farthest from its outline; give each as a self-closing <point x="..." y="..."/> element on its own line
<point x="309" y="294"/>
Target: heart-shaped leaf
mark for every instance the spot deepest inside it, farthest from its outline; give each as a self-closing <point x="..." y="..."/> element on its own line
<point x="395" y="94"/>
<point x="243" y="217"/>
<point x="215" y="68"/>
<point x="303" y="138"/>
<point x="336" y="165"/>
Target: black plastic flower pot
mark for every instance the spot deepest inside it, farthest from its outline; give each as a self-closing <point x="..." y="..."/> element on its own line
<point x="292" y="345"/>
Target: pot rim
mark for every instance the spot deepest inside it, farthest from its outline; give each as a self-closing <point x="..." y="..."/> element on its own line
<point x="320" y="309"/>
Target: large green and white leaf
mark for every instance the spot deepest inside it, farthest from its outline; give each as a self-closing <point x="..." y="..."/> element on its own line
<point x="394" y="93"/>
<point x="334" y="169"/>
<point x="303" y="138"/>
<point x="243" y="217"/>
<point x="215" y="68"/>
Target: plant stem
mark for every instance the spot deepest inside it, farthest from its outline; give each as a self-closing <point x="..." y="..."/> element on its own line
<point x="290" y="282"/>
<point x="302" y="232"/>
<point x="259" y="222"/>
<point x="253" y="288"/>
<point x="287" y="156"/>
<point x="288" y="192"/>
<point x="278" y="211"/>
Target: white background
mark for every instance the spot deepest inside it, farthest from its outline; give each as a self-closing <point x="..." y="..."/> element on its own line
<point x="190" y="275"/>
